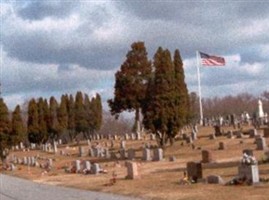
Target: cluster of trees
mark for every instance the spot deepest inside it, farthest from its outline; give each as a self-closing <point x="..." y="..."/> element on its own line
<point x="156" y="89"/>
<point x="50" y="120"/>
<point x="230" y="104"/>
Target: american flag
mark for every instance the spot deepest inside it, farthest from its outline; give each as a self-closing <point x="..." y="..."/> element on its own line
<point x="209" y="60"/>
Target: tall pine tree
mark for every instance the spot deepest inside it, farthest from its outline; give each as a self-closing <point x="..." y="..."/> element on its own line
<point x="4" y="130"/>
<point x="131" y="82"/>
<point x="18" y="130"/>
<point x="32" y="123"/>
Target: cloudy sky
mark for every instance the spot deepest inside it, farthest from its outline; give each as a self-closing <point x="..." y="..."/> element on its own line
<point x="57" y="47"/>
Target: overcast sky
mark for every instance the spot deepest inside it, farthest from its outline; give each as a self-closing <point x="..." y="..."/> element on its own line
<point x="49" y="48"/>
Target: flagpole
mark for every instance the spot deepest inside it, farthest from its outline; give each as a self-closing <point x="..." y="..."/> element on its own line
<point x="199" y="87"/>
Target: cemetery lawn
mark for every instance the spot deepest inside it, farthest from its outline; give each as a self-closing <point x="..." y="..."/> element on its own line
<point x="158" y="180"/>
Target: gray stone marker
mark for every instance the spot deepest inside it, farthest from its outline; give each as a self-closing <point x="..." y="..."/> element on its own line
<point x="107" y="153"/>
<point x="261" y="143"/>
<point x="194" y="135"/>
<point x="122" y="153"/>
<point x="194" y="171"/>
<point x="213" y="179"/>
<point x="189" y="139"/>
<point x="95" y="168"/>
<point x="88" y="165"/>
<point x="82" y="151"/>
<point x="250" y="172"/>
<point x="222" y="146"/>
<point x="77" y="165"/>
<point x="146" y="156"/>
<point x="122" y="144"/>
<point x="132" y="170"/>
<point x="266" y="132"/>
<point x="230" y="135"/>
<point x="131" y="154"/>
<point x="253" y="133"/>
<point x="206" y="156"/>
<point x="157" y="154"/>
<point x="55" y="147"/>
<point x="212" y="136"/>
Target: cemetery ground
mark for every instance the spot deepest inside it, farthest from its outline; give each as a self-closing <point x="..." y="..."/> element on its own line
<point x="156" y="179"/>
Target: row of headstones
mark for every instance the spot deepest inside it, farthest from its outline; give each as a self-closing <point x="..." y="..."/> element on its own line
<point x="132" y="136"/>
<point x="85" y="167"/>
<point x="31" y="161"/>
<point x="130" y="154"/>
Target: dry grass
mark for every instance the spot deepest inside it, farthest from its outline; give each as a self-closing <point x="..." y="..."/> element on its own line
<point x="159" y="180"/>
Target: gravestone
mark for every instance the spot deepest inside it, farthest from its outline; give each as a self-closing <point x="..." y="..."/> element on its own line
<point x="138" y="135"/>
<point x="206" y="156"/>
<point x="50" y="162"/>
<point x="107" y="153"/>
<point x="21" y="146"/>
<point x="239" y="134"/>
<point x="230" y="135"/>
<point x="172" y="159"/>
<point x="12" y="167"/>
<point x="25" y="161"/>
<point x="194" y="171"/>
<point x="55" y="147"/>
<point x="87" y="165"/>
<point x="217" y="130"/>
<point x="127" y="136"/>
<point x="95" y="168"/>
<point x="152" y="137"/>
<point x="249" y="172"/>
<point x="29" y="161"/>
<point x="146" y="154"/>
<point x="253" y="133"/>
<point x="222" y="146"/>
<point x="261" y="143"/>
<point x="122" y="153"/>
<point x="131" y="154"/>
<point x="212" y="136"/>
<point x="122" y="144"/>
<point x="266" y="132"/>
<point x="189" y="139"/>
<point x="132" y="170"/>
<point x="157" y="154"/>
<point x="82" y="151"/>
<point x="77" y="165"/>
<point x="213" y="179"/>
<point x="33" y="161"/>
<point x="194" y="135"/>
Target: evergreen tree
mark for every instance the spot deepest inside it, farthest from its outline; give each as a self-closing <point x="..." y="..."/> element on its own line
<point x="54" y="123"/>
<point x="81" y="124"/>
<point x="71" y="117"/>
<point x="160" y="109"/>
<point x="131" y="82"/>
<point x="18" y="130"/>
<point x="99" y="112"/>
<point x="181" y="95"/>
<point x="62" y="114"/>
<point x="43" y="129"/>
<point x="4" y="130"/>
<point x="32" y="123"/>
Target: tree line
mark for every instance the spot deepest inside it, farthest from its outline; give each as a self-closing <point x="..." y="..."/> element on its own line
<point x="155" y="89"/>
<point x="50" y="120"/>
